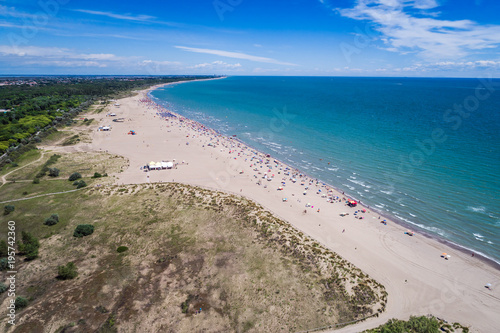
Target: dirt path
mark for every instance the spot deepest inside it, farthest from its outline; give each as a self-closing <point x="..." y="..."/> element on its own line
<point x="4" y="180"/>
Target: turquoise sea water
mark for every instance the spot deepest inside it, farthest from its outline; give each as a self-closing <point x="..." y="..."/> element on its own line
<point x="423" y="151"/>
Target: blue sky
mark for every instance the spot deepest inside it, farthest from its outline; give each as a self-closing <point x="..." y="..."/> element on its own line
<point x="443" y="38"/>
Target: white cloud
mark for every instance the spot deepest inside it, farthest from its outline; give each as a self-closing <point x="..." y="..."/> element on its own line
<point x="217" y="65"/>
<point x="236" y="55"/>
<point x="10" y="25"/>
<point x="483" y="64"/>
<point x="430" y="37"/>
<point x="159" y="63"/>
<point x="63" y="57"/>
<point x="13" y="12"/>
<point x="446" y="66"/>
<point x="62" y="63"/>
<point x="128" y="17"/>
<point x="53" y="52"/>
<point x="55" y="56"/>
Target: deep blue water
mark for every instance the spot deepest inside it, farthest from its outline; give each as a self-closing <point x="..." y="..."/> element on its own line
<point x="423" y="151"/>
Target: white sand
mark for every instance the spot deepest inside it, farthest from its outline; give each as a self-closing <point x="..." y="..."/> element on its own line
<point x="418" y="280"/>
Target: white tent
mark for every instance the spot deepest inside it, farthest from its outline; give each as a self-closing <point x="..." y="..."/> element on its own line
<point x="167" y="165"/>
<point x="154" y="165"/>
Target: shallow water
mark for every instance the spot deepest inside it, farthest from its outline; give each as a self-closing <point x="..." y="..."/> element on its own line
<point x="423" y="151"/>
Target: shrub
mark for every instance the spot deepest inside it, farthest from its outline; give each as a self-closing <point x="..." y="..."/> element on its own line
<point x="8" y="209"/>
<point x="74" y="176"/>
<point x="53" y="172"/>
<point x="52" y="220"/>
<point x="67" y="272"/>
<point x="36" y="181"/>
<point x="45" y="167"/>
<point x="3" y="288"/>
<point x="121" y="249"/>
<point x="20" y="302"/>
<point x="28" y="246"/>
<point x="81" y="184"/>
<point x="3" y="264"/>
<point x="83" y="230"/>
<point x="3" y="249"/>
<point x="97" y="175"/>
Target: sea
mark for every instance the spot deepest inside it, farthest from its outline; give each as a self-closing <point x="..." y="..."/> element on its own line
<point x="422" y="151"/>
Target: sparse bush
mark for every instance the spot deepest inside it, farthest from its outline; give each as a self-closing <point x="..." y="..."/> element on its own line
<point x="3" y="264"/>
<point x="53" y="172"/>
<point x="3" y="248"/>
<point x="97" y="175"/>
<point x="52" y="220"/>
<point x="413" y="325"/>
<point x="45" y="167"/>
<point x="8" y="209"/>
<point x="67" y="272"/>
<point x="28" y="246"/>
<point x="81" y="184"/>
<point x="3" y="287"/>
<point x="36" y="181"/>
<point x="83" y="230"/>
<point x="101" y="309"/>
<point x="20" y="302"/>
<point x="121" y="249"/>
<point x="74" y="176"/>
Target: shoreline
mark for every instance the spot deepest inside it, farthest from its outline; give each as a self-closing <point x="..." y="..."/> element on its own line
<point x="464" y="249"/>
<point x="416" y="278"/>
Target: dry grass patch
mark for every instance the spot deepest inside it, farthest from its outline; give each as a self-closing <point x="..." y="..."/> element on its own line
<point x="188" y="248"/>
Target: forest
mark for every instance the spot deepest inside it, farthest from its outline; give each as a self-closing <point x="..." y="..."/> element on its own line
<point x="33" y="107"/>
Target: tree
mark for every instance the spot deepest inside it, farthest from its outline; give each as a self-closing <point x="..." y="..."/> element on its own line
<point x="83" y="230"/>
<point x="74" y="176"/>
<point x="8" y="209"/>
<point x="81" y="184"/>
<point x="52" y="220"/>
<point x="28" y="246"/>
<point x="53" y="172"/>
<point x="67" y="272"/>
<point x="20" y="302"/>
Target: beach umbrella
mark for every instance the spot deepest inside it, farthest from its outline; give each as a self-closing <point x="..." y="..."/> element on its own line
<point x="488" y="285"/>
<point x="444" y="254"/>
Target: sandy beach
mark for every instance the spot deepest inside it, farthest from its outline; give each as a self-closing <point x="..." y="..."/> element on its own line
<point x="418" y="279"/>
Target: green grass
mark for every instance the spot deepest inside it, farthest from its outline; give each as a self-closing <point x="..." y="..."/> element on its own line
<point x="24" y="159"/>
<point x="72" y="140"/>
<point x="179" y="248"/>
<point x="11" y="191"/>
<point x="55" y="137"/>
<point x="85" y="163"/>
